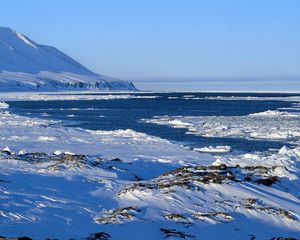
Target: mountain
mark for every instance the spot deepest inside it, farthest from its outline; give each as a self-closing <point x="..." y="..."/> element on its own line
<point x="28" y="66"/>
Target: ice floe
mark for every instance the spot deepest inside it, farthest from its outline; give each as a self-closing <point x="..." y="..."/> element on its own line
<point x="272" y="125"/>
<point x="211" y="149"/>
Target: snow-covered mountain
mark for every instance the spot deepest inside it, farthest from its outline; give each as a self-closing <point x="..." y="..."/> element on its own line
<point x="28" y="66"/>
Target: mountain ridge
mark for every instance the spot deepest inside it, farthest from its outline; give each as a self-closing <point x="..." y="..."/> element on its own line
<point x="27" y="65"/>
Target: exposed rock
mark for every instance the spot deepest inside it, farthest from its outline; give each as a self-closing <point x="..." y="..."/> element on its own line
<point x="267" y="181"/>
<point x="213" y="216"/>
<point x="174" y="233"/>
<point x="99" y="236"/>
<point x="190" y="177"/>
<point x="252" y="203"/>
<point x="118" y="216"/>
<point x="178" y="218"/>
<point x="116" y="160"/>
<point x="75" y="159"/>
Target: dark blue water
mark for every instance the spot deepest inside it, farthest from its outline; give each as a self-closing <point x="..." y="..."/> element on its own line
<point x="127" y="114"/>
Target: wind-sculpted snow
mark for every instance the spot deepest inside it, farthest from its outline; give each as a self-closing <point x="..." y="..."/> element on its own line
<point x="28" y="66"/>
<point x="271" y="125"/>
<point x="83" y="194"/>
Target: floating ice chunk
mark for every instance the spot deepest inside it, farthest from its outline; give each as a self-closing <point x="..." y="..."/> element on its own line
<point x="273" y="136"/>
<point x="271" y="113"/>
<point x="57" y="152"/>
<point x="22" y="152"/>
<point x="3" y="105"/>
<point x="210" y="149"/>
<point x="46" y="139"/>
<point x="69" y="153"/>
<point x="283" y="150"/>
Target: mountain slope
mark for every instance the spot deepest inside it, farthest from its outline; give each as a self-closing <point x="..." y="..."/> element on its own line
<point x="26" y="65"/>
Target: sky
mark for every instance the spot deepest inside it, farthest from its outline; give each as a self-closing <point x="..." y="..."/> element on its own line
<point x="162" y="39"/>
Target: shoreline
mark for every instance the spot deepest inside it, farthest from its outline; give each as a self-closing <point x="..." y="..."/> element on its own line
<point x="110" y="182"/>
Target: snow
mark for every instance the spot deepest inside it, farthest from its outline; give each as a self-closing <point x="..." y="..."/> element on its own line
<point x="99" y="191"/>
<point x="28" y="134"/>
<point x="26" y="40"/>
<point x="28" y="66"/>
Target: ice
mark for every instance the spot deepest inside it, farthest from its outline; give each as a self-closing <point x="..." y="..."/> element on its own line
<point x="3" y="105"/>
<point x="210" y="149"/>
<point x="237" y="98"/>
<point x="275" y="113"/>
<point x="271" y="125"/>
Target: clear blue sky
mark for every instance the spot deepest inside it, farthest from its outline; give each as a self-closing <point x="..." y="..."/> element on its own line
<point x="166" y="38"/>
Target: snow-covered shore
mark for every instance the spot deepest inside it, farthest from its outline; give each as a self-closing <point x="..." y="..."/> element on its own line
<point x="128" y="185"/>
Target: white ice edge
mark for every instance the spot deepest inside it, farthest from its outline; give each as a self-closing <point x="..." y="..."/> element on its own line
<point x="33" y="96"/>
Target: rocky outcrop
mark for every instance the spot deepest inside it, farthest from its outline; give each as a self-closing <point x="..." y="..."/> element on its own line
<point x="191" y="177"/>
